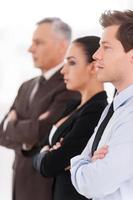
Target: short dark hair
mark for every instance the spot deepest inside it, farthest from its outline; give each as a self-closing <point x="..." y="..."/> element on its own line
<point x="60" y="27"/>
<point x="124" y="19"/>
<point x="89" y="44"/>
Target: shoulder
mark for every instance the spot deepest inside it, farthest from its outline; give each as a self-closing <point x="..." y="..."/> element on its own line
<point x="29" y="82"/>
<point x="72" y="104"/>
<point x="95" y="105"/>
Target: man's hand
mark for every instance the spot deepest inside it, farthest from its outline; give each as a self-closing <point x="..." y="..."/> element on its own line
<point x="68" y="168"/>
<point x="12" y="116"/>
<point x="100" y="153"/>
<point x="44" y="115"/>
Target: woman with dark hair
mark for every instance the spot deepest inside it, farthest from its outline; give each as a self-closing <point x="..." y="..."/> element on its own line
<point x="70" y="135"/>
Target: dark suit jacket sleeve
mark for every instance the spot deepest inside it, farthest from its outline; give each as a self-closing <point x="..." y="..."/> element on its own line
<point x="56" y="161"/>
<point x="6" y="140"/>
<point x="31" y="130"/>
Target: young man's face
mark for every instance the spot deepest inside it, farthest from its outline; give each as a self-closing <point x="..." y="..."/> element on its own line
<point x="111" y="59"/>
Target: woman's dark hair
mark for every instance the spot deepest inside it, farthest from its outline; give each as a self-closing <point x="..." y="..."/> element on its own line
<point x="124" y="19"/>
<point x="89" y="44"/>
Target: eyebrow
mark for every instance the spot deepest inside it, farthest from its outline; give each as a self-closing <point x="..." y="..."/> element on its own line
<point x="104" y="42"/>
<point x="70" y="57"/>
<point x="37" y="40"/>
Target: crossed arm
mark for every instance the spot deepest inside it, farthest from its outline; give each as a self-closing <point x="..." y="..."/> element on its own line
<point x="17" y="128"/>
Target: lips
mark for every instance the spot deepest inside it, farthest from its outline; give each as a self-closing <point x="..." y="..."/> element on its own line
<point x="99" y="66"/>
<point x="65" y="80"/>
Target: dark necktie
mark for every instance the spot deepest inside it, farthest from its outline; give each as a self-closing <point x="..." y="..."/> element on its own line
<point x="101" y="129"/>
<point x="41" y="81"/>
<point x="37" y="89"/>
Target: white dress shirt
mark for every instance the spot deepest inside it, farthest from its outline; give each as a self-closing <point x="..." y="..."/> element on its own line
<point x="48" y="74"/>
<point x="110" y="178"/>
<point x="51" y="134"/>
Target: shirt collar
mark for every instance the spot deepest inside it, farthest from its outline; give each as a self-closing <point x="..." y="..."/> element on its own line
<point x="123" y="96"/>
<point x="48" y="74"/>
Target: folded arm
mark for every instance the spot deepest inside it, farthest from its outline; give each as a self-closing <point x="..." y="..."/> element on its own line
<point x="55" y="161"/>
<point x="96" y="178"/>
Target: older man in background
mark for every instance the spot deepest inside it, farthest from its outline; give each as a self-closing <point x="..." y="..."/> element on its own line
<point x="39" y="104"/>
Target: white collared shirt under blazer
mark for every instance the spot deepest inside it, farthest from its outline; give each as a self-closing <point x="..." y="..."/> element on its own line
<point x="110" y="178"/>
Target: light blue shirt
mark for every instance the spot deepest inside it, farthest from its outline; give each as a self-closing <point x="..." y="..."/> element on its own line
<point x="110" y="178"/>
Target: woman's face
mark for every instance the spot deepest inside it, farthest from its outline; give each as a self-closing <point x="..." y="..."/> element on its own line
<point x="76" y="68"/>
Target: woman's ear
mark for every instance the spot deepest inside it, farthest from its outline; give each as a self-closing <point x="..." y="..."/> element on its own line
<point x="93" y="68"/>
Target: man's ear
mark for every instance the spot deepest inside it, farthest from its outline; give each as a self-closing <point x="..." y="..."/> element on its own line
<point x="130" y="53"/>
<point x="63" y="46"/>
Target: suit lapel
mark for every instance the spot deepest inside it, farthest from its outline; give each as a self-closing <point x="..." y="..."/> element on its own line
<point x="63" y="129"/>
<point x="66" y="127"/>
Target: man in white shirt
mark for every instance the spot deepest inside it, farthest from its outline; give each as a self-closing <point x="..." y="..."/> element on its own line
<point x="39" y="104"/>
<point x="111" y="178"/>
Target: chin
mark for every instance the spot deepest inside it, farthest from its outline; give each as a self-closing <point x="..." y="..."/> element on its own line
<point x="37" y="66"/>
<point x="70" y="88"/>
<point x="101" y="78"/>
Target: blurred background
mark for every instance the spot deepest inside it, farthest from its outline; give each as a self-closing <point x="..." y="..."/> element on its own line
<point x="17" y="23"/>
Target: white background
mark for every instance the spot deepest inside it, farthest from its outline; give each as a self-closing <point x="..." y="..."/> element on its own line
<point x="17" y="22"/>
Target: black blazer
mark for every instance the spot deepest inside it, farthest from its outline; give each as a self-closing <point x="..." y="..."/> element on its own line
<point x="76" y="131"/>
<point x="52" y="97"/>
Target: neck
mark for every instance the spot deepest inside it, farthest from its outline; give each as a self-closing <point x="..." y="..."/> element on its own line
<point x="124" y="80"/>
<point x="88" y="94"/>
<point x="123" y="86"/>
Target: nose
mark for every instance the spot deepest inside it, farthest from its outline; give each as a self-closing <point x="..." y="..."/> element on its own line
<point x="97" y="54"/>
<point x="31" y="48"/>
<point x="63" y="70"/>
